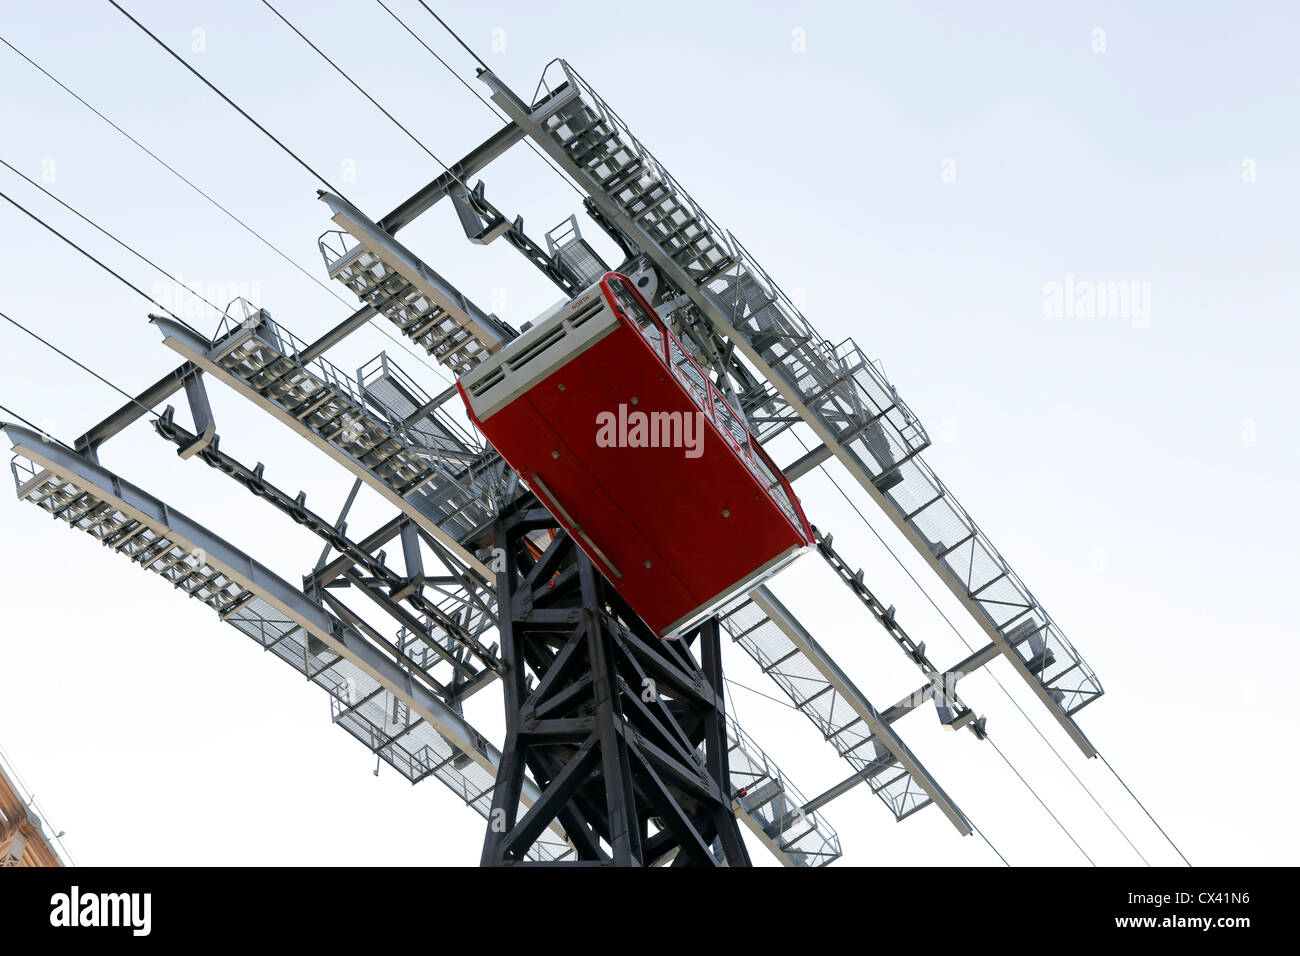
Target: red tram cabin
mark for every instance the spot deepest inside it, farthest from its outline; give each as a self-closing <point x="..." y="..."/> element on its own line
<point x="628" y="444"/>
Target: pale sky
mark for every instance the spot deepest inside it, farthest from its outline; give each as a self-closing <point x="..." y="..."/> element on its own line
<point x="923" y="177"/>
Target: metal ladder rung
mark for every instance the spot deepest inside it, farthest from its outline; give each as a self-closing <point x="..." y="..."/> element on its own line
<point x="625" y="175"/>
<point x="953" y="547"/>
<point x="780" y="660"/>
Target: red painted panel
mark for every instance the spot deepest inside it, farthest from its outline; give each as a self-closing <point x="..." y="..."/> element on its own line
<point x="670" y="530"/>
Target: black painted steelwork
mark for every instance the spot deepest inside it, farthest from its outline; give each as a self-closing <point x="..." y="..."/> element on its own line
<point x="623" y="732"/>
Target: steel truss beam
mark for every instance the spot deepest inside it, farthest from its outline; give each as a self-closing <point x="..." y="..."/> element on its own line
<point x="764" y="795"/>
<point x="953" y="712"/>
<point x="389" y="589"/>
<point x="251" y="576"/>
<point x="845" y="400"/>
<point x="167" y="386"/>
<point x="879" y="728"/>
<point x="624" y="733"/>
<point x="483" y="223"/>
<point x="267" y="608"/>
<point x="490" y="149"/>
<point x="201" y="352"/>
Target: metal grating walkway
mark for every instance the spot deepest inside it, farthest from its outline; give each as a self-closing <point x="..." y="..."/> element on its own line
<point x="773" y="809"/>
<point x="442" y="492"/>
<point x="382" y="428"/>
<point x="364" y="706"/>
<point x="424" y="306"/>
<point x="844" y="398"/>
<point x="371" y="697"/>
<point x="816" y="686"/>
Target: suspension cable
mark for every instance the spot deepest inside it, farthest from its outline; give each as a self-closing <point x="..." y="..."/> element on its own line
<point x="492" y="108"/>
<point x="116" y="275"/>
<point x="947" y="620"/>
<point x="244" y="225"/>
<point x="239" y="109"/>
<point x="81" y="365"/>
<point x="360" y="89"/>
<point x="1041" y="801"/>
<point x="1144" y="809"/>
<point x="454" y="35"/>
<point x="105" y="232"/>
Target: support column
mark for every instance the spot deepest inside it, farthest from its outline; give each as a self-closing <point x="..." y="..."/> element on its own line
<point x="624" y="733"/>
